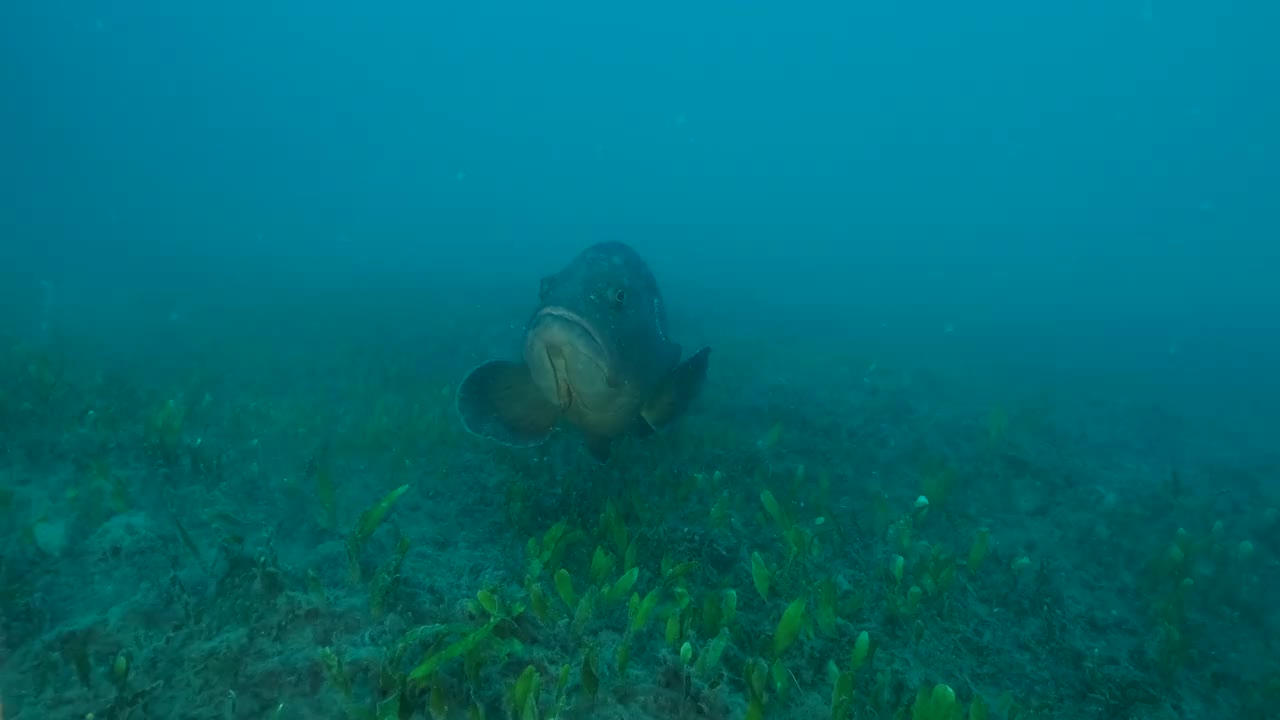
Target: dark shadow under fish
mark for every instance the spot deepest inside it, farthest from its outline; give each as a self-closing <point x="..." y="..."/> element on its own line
<point x="596" y="356"/>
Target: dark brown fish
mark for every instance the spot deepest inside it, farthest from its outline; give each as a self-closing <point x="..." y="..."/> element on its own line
<point x="596" y="356"/>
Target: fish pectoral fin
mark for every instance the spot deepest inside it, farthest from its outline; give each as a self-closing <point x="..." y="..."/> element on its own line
<point x="599" y="447"/>
<point x="677" y="390"/>
<point x="500" y="401"/>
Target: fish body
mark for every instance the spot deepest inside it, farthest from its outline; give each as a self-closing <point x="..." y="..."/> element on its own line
<point x="596" y="356"/>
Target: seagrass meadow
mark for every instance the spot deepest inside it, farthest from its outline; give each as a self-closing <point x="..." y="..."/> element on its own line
<point x="305" y="531"/>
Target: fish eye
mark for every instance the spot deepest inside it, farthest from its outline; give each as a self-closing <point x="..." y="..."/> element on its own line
<point x="618" y="296"/>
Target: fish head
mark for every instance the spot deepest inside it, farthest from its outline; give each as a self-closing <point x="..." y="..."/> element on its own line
<point x="597" y="343"/>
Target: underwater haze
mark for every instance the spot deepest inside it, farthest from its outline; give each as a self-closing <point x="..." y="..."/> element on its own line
<point x="988" y="428"/>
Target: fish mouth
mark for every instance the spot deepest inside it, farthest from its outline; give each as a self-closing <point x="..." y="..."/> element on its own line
<point x="566" y="355"/>
<point x="571" y="317"/>
<point x="562" y="327"/>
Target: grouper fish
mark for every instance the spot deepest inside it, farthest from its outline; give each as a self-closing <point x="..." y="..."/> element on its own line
<point x="596" y="357"/>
